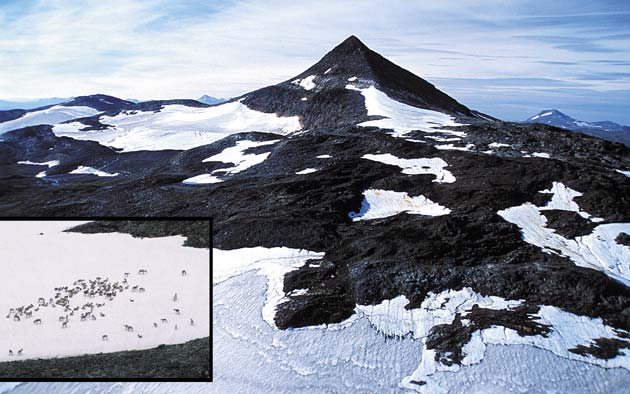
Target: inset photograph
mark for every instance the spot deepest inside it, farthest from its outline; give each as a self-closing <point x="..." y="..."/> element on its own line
<point x="114" y="299"/>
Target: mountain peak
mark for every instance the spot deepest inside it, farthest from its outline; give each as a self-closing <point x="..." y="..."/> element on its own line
<point x="546" y="115"/>
<point x="352" y="60"/>
<point x="351" y="45"/>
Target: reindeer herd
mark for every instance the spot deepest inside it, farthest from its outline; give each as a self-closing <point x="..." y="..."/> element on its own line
<point x="99" y="287"/>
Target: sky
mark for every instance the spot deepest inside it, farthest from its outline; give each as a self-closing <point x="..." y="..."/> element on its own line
<point x="510" y="59"/>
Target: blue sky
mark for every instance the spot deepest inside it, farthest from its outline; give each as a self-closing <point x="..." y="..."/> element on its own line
<point x="510" y="59"/>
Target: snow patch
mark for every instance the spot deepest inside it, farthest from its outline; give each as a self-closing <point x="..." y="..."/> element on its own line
<point x="443" y="139"/>
<point x="323" y="157"/>
<point x="466" y="148"/>
<point x="236" y="156"/>
<point x="499" y="145"/>
<point x="562" y="198"/>
<point x="91" y="171"/>
<point x="307" y="171"/>
<point x="51" y="163"/>
<point x="202" y="179"/>
<point x="434" y="165"/>
<point x="403" y="118"/>
<point x="626" y="173"/>
<point x="307" y="83"/>
<point x="379" y="204"/>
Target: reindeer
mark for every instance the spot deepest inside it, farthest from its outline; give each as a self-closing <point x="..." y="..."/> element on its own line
<point x="16" y="318"/>
<point x="10" y="352"/>
<point x="128" y="327"/>
<point x="139" y="336"/>
<point x="142" y="272"/>
<point x="141" y="290"/>
<point x="41" y="300"/>
<point x="134" y="289"/>
<point x="155" y="324"/>
<point x="163" y="320"/>
<point x="176" y="311"/>
<point x="102" y="314"/>
<point x="126" y="274"/>
<point x="192" y="322"/>
<point x="184" y="273"/>
<point x="37" y="321"/>
<point x="175" y="298"/>
<point x="20" y="352"/>
<point x="105" y="338"/>
<point x="93" y="317"/>
<point x="64" y="324"/>
<point x="176" y="326"/>
<point x="131" y="300"/>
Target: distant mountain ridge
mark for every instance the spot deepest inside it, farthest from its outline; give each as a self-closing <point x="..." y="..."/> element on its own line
<point x="83" y="107"/>
<point x="607" y="130"/>
<point x="211" y="100"/>
<point x="30" y="104"/>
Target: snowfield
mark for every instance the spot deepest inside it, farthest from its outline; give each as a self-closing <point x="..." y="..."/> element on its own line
<point x="52" y="115"/>
<point x="38" y="257"/>
<point x="179" y="126"/>
<point x="389" y="365"/>
<point x="379" y="204"/>
<point x="403" y="118"/>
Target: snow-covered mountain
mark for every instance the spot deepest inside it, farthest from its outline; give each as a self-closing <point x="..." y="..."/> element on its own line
<point x="371" y="233"/>
<point x="603" y="129"/>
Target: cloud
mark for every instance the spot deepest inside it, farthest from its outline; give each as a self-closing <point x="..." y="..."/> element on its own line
<point x="165" y="49"/>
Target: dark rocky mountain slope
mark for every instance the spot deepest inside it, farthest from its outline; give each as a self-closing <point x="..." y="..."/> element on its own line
<point x="499" y="180"/>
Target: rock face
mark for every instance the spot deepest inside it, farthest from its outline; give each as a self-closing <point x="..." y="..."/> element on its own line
<point x="498" y="183"/>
